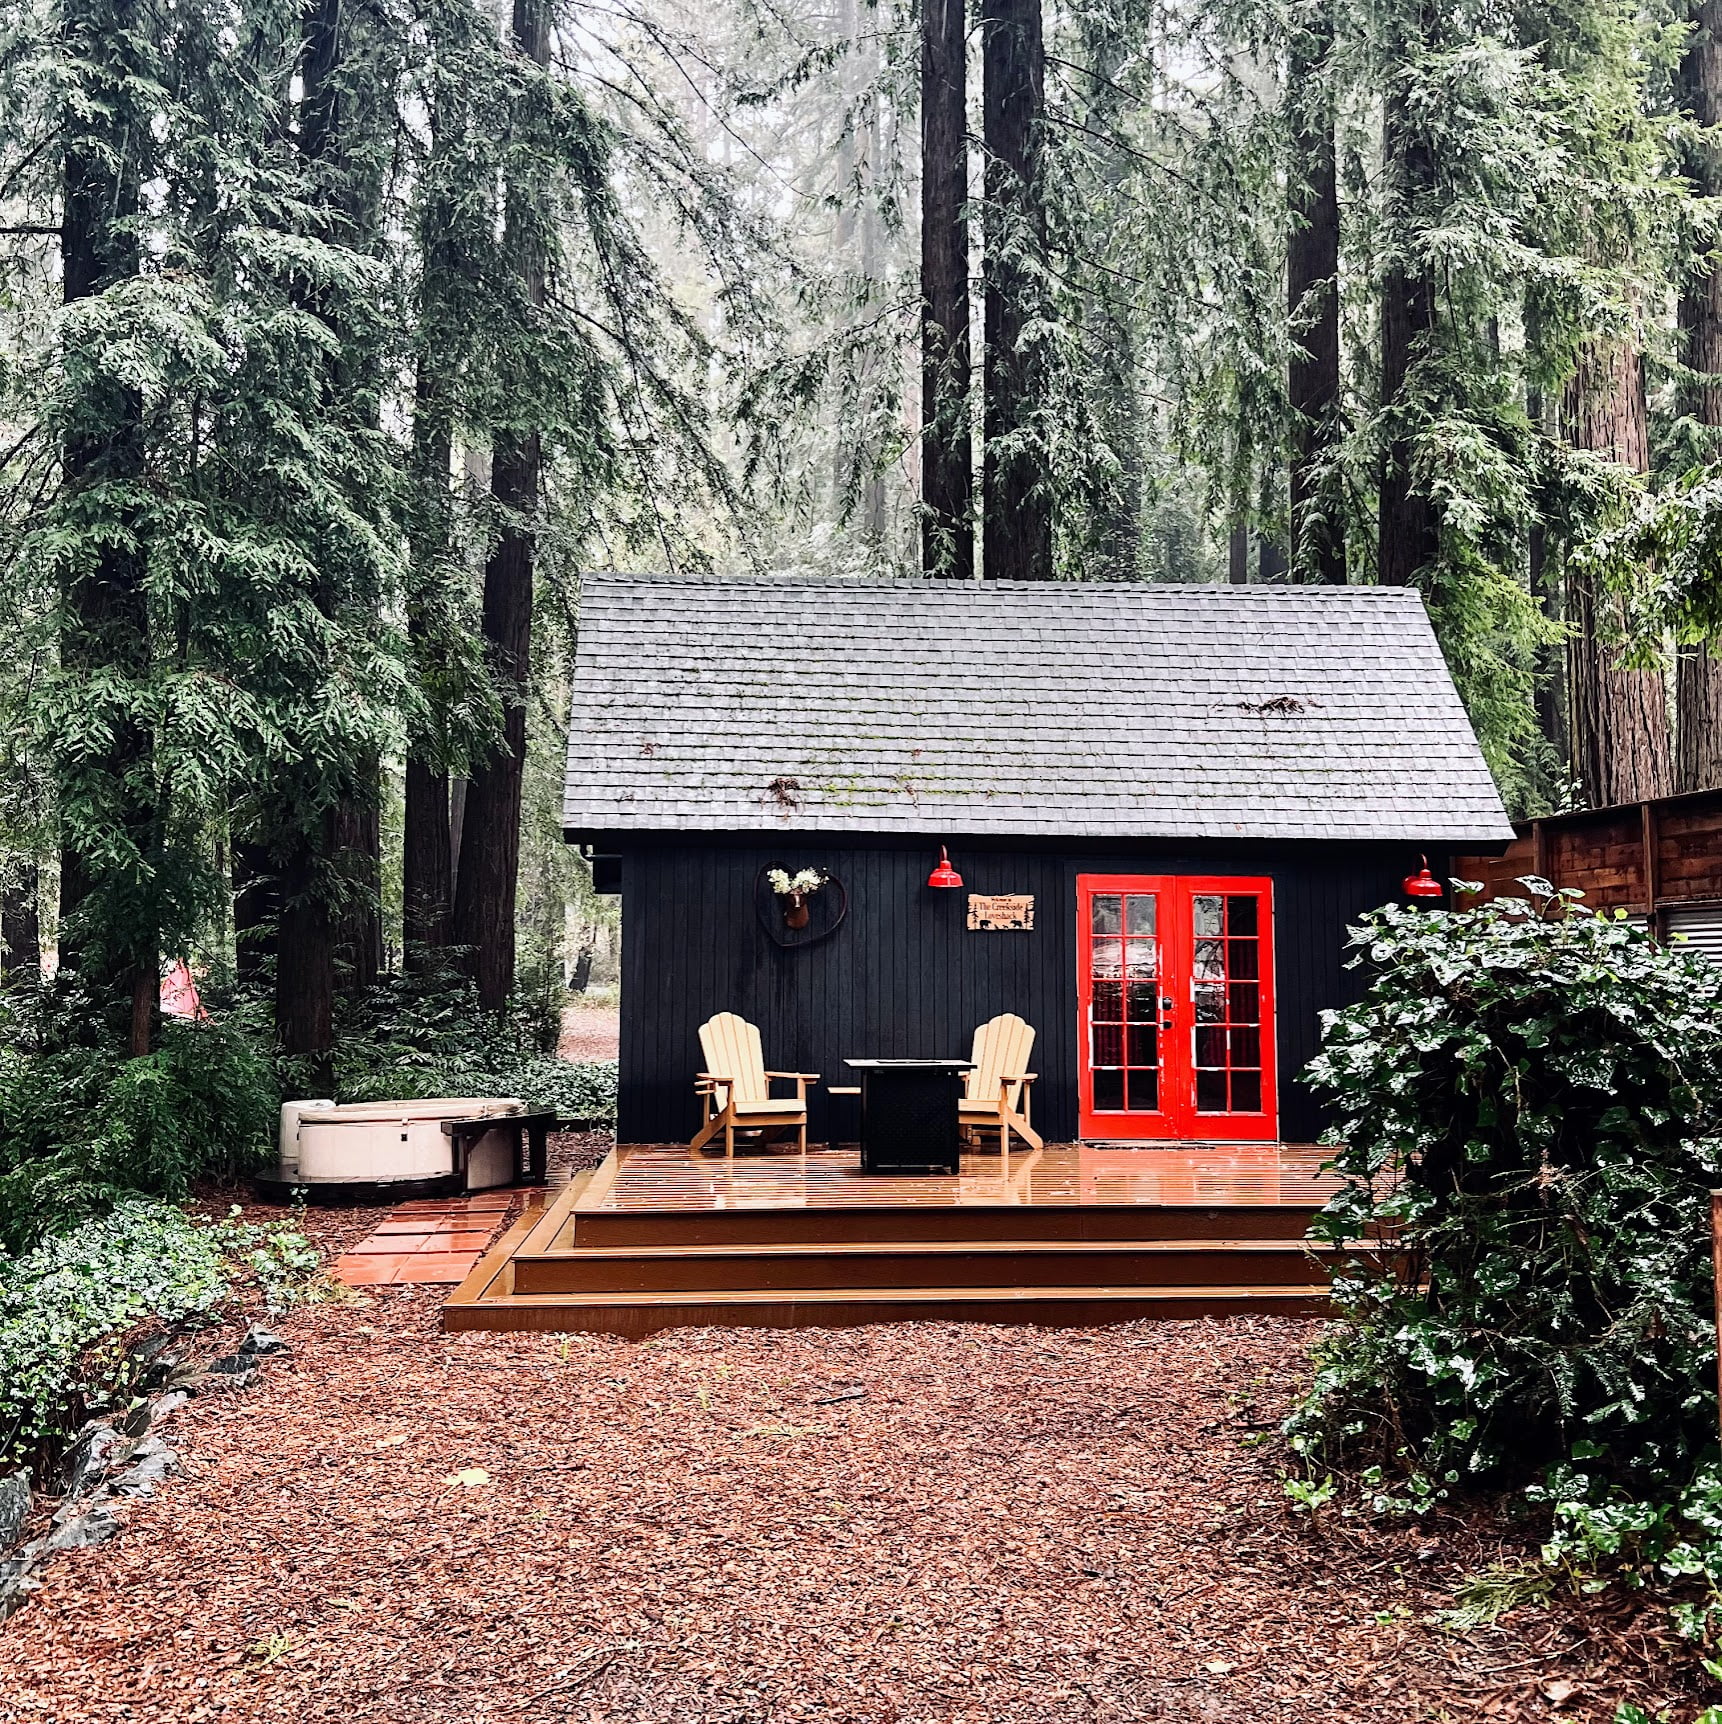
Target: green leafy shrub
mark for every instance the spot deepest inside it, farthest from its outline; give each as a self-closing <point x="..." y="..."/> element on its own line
<point x="575" y="1089"/>
<point x="410" y="1037"/>
<point x="82" y="1125"/>
<point x="1527" y="1099"/>
<point x="71" y="1306"/>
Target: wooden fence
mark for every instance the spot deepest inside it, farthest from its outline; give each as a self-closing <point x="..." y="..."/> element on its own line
<point x="1660" y="860"/>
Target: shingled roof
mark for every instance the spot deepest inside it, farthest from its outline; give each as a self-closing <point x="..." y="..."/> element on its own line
<point x="1018" y="708"/>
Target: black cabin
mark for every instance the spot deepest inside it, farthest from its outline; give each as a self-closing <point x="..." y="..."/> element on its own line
<point x="1161" y="806"/>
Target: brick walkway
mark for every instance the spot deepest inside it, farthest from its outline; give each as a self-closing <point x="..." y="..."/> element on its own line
<point x="435" y="1239"/>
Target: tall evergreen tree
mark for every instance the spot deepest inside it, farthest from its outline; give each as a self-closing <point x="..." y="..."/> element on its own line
<point x="1698" y="672"/>
<point x="490" y="838"/>
<point x="947" y="451"/>
<point x="1618" y="715"/>
<point x="108" y="828"/>
<point x="1016" y="481"/>
<point x="1317" y="532"/>
<point x="1407" y="542"/>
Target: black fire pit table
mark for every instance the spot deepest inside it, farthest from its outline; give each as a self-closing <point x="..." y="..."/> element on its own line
<point x="909" y="1114"/>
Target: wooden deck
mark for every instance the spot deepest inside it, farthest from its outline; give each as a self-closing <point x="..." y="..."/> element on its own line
<point x="660" y="1237"/>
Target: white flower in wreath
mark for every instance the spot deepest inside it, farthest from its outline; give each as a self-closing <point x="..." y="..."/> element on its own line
<point x="787" y="885"/>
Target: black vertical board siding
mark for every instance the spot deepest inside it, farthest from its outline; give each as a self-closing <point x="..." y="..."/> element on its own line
<point x="904" y="976"/>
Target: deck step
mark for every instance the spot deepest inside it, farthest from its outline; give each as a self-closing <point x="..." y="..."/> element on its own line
<point x="635" y="1314"/>
<point x="603" y="1228"/>
<point x="1026" y="1263"/>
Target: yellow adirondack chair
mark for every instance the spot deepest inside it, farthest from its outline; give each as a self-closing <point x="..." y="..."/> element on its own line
<point x="998" y="1084"/>
<point x="735" y="1087"/>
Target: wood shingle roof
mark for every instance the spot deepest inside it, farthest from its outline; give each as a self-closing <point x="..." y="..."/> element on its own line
<point x="1015" y="708"/>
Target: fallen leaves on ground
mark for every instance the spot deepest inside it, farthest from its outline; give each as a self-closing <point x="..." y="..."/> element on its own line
<point x="919" y="1524"/>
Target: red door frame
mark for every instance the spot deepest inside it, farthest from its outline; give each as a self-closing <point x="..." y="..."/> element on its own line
<point x="1176" y="1117"/>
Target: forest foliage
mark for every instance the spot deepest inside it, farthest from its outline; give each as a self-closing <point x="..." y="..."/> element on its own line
<point x="1529" y="1105"/>
<point x="335" y="341"/>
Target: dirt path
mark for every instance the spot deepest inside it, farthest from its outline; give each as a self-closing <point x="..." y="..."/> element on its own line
<point x="591" y="1030"/>
<point x="914" y="1525"/>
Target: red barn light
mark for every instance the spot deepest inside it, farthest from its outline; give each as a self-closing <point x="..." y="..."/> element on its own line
<point x="1422" y="884"/>
<point x="944" y="877"/>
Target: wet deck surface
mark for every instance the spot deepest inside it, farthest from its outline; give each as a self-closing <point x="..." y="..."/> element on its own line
<point x="659" y="1176"/>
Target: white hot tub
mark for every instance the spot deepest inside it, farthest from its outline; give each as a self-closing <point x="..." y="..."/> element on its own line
<point x="391" y="1140"/>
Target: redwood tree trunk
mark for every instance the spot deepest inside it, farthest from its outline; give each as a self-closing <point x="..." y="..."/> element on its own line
<point x="305" y="931"/>
<point x="427" y="873"/>
<point x="106" y="917"/>
<point x="1618" y="718"/>
<point x="1312" y="298"/>
<point x="256" y="909"/>
<point x="357" y="931"/>
<point x="427" y="859"/>
<point x="947" y="448"/>
<point x="1407" y="537"/>
<point x="490" y="846"/>
<point x="427" y="865"/>
<point x="1016" y="511"/>
<point x="485" y="889"/>
<point x="1698" y="675"/>
<point x="305" y="971"/>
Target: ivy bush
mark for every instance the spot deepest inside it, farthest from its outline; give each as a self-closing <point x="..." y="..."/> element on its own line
<point x="1527" y="1098"/>
<point x="71" y="1306"/>
<point x="412" y="1037"/>
<point x="81" y="1125"/>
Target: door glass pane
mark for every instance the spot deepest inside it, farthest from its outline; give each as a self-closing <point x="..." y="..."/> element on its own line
<point x="1226" y="996"/>
<point x="1124" y="1002"/>
<point x="1210" y="1092"/>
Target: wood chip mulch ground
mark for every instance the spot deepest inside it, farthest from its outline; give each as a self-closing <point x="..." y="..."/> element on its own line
<point x="922" y="1524"/>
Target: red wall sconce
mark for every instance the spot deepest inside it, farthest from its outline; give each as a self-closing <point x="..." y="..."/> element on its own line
<point x="944" y="878"/>
<point x="1422" y="884"/>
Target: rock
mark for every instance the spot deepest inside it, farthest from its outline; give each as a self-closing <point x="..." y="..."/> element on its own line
<point x="232" y="1373"/>
<point x="87" y="1459"/>
<point x="15" y="1589"/>
<point x="14" y="1507"/>
<point x="95" y="1527"/>
<point x="152" y="1462"/>
<point x="262" y="1343"/>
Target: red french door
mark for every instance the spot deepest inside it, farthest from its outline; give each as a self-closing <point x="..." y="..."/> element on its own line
<point x="1177" y="1006"/>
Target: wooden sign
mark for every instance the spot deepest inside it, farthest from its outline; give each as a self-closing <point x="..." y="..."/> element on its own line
<point x="1001" y="911"/>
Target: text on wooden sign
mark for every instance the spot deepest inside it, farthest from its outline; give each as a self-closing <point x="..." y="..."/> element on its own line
<point x="1001" y="911"/>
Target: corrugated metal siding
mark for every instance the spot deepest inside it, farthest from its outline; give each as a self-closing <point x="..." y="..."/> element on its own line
<point x="1701" y="924"/>
<point x="905" y="976"/>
